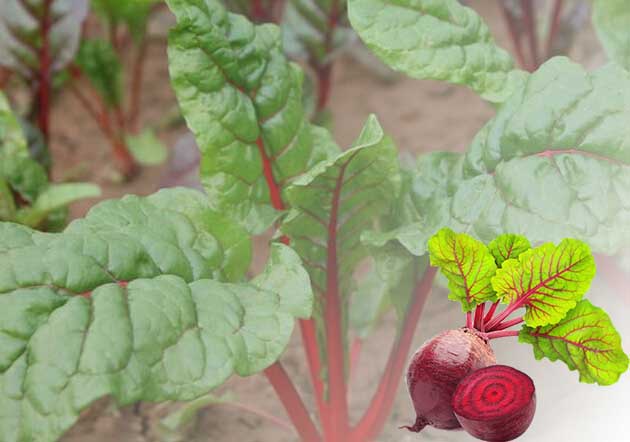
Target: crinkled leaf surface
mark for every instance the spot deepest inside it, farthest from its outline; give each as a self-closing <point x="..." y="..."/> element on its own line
<point x="585" y="340"/>
<point x="611" y="19"/>
<point x="243" y="101"/>
<point x="440" y="40"/>
<point x="20" y="32"/>
<point x="315" y="29"/>
<point x="553" y="163"/>
<point x="508" y="246"/>
<point x="467" y="264"/>
<point x="121" y="304"/>
<point x="548" y="280"/>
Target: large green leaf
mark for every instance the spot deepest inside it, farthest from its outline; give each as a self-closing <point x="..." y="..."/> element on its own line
<point x="440" y="40"/>
<point x="21" y="41"/>
<point x="553" y="163"/>
<point x="585" y="340"/>
<point x="611" y="19"/>
<point x="467" y="264"/>
<point x="548" y="280"/>
<point x="121" y="304"/>
<point x="242" y="100"/>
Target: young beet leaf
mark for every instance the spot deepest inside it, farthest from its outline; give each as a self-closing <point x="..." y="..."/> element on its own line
<point x="495" y="404"/>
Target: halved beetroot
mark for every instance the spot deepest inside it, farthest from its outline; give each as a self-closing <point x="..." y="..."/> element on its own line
<point x="496" y="403"/>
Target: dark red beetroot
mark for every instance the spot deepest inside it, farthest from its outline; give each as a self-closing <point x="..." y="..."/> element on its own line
<point x="435" y="371"/>
<point x="495" y="404"/>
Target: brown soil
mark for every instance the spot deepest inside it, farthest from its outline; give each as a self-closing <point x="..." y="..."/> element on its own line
<point x="420" y="115"/>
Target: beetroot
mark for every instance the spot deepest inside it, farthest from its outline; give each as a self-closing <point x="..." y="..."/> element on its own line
<point x="495" y="404"/>
<point x="437" y="368"/>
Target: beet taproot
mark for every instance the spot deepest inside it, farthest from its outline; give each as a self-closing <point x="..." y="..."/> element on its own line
<point x="495" y="404"/>
<point x="435" y="371"/>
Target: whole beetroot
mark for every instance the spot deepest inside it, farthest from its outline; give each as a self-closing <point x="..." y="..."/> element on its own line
<point x="435" y="371"/>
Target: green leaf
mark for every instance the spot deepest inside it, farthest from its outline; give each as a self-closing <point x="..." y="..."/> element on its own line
<point x="440" y="40"/>
<point x="243" y="101"/>
<point x="120" y="304"/>
<point x="611" y="18"/>
<point x="567" y="131"/>
<point x="308" y="33"/>
<point x="585" y="340"/>
<point x="7" y="204"/>
<point x="24" y="175"/>
<point x="332" y="204"/>
<point x="339" y="199"/>
<point x="508" y="246"/>
<point x="147" y="148"/>
<point x="100" y="63"/>
<point x="55" y="197"/>
<point x="548" y="280"/>
<point x="468" y="266"/>
<point x="21" y="33"/>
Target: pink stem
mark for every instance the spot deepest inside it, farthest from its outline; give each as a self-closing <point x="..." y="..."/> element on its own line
<point x="507" y="324"/>
<point x="501" y="334"/>
<point x="491" y="312"/>
<point x="469" y="320"/>
<point x="479" y="316"/>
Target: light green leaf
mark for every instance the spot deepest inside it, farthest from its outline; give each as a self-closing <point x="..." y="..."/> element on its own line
<point x="567" y="131"/>
<point x="468" y="266"/>
<point x="585" y="340"/>
<point x="440" y="40"/>
<point x="508" y="246"/>
<point x="243" y="101"/>
<point x="55" y="197"/>
<point x="147" y="148"/>
<point x="548" y="281"/>
<point x="611" y="19"/>
<point x="120" y="304"/>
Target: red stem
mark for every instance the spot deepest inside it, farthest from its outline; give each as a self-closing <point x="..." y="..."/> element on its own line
<point x="479" y="311"/>
<point x="501" y="334"/>
<point x="337" y="391"/>
<point x="516" y="40"/>
<point x="507" y="324"/>
<point x="44" y="84"/>
<point x="136" y="86"/>
<point x="490" y="314"/>
<point x="380" y="407"/>
<point x="469" y="320"/>
<point x="292" y="402"/>
<point x="532" y="34"/>
<point x="554" y="25"/>
<point x="324" y="81"/>
<point x="307" y="326"/>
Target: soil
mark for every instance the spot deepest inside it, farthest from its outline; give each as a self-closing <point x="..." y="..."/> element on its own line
<point x="420" y="115"/>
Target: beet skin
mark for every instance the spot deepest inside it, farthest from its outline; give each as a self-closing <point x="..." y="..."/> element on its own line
<point x="435" y="371"/>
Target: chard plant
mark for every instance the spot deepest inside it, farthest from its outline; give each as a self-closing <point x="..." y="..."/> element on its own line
<point x="111" y="94"/>
<point x="148" y="298"/>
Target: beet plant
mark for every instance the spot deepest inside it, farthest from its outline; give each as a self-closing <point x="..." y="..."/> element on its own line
<point x="453" y="380"/>
<point x="149" y="298"/>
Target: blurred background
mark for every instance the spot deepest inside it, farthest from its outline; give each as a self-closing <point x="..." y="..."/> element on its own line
<point x="87" y="125"/>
